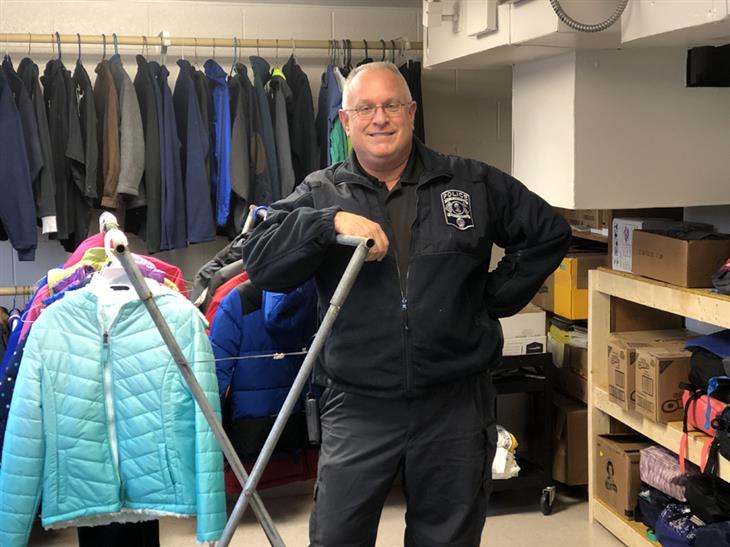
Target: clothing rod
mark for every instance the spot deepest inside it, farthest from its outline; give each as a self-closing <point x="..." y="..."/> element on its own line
<point x="20" y="290"/>
<point x="282" y="43"/>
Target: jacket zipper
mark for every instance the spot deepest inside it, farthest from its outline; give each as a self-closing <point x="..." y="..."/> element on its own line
<point x="109" y="406"/>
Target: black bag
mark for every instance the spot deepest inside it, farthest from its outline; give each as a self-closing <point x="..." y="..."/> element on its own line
<point x="651" y="504"/>
<point x="705" y="365"/>
<point x="707" y="495"/>
<point x="713" y="535"/>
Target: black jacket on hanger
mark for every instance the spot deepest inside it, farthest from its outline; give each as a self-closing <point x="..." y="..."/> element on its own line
<point x="193" y="135"/>
<point x="87" y="118"/>
<point x="146" y="220"/>
<point x="240" y="165"/>
<point x="261" y="71"/>
<point x="302" y="134"/>
<point x="412" y="73"/>
<point x="205" y="102"/>
<point x="44" y="185"/>
<point x="72" y="210"/>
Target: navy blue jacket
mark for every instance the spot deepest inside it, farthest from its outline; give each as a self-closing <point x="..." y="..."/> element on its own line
<point x="254" y="322"/>
<point x="44" y="185"/>
<point x="220" y="179"/>
<point x="174" y="230"/>
<point x="17" y="210"/>
<point x="193" y="136"/>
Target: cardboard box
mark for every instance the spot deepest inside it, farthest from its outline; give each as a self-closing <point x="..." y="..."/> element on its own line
<point x="676" y="261"/>
<point x="622" y="238"/>
<point x="587" y="218"/>
<point x="545" y="297"/>
<point x="630" y="316"/>
<point x="524" y="345"/>
<point x="571" y="375"/>
<point x="616" y="471"/>
<point x="529" y="322"/>
<point x="622" y="351"/>
<point x="570" y="441"/>
<point x="565" y="291"/>
<point x="659" y="370"/>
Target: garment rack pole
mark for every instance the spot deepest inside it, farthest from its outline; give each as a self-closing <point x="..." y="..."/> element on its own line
<point x="362" y="247"/>
<point x="20" y="290"/>
<point x="167" y="41"/>
<point x="109" y="226"/>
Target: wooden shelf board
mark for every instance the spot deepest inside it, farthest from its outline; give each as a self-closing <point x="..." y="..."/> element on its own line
<point x="587" y="234"/>
<point x="631" y="533"/>
<point x="700" y="304"/>
<point x="668" y="435"/>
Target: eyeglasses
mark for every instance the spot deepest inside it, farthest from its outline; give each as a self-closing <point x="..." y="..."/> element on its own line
<point x="367" y="111"/>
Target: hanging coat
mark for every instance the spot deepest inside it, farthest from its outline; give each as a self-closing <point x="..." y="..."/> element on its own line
<point x="411" y="71"/>
<point x="131" y="134"/>
<point x="261" y="73"/>
<point x="280" y="97"/>
<point x="205" y="104"/>
<point x="106" y="101"/>
<point x="145" y="218"/>
<point x="72" y="209"/>
<point x="261" y="189"/>
<point x="87" y="118"/>
<point x="17" y="213"/>
<point x="27" y="118"/>
<point x="240" y="164"/>
<point x="220" y="180"/>
<point x="44" y="185"/>
<point x="174" y="231"/>
<point x="300" y="114"/>
<point x="193" y="135"/>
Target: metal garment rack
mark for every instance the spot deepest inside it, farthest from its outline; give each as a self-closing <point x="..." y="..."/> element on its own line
<point x="120" y="248"/>
<point x="164" y="41"/>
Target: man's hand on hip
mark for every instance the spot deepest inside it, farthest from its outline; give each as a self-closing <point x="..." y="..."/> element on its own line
<point x="355" y="225"/>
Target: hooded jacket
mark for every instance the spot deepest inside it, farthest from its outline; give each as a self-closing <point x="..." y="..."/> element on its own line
<point x="103" y="425"/>
<point x="441" y="325"/>
<point x="261" y="72"/>
<point x="106" y="101"/>
<point x="254" y="322"/>
<point x="280" y="97"/>
<point x="87" y="118"/>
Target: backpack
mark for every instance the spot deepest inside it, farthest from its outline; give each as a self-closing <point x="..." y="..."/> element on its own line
<point x="675" y="526"/>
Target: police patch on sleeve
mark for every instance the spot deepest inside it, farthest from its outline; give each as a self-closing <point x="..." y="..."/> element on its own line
<point x="457" y="209"/>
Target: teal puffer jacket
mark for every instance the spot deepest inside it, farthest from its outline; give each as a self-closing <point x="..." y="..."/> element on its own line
<point x="102" y="426"/>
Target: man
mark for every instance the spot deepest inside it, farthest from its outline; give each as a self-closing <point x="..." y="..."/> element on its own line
<point x="406" y="367"/>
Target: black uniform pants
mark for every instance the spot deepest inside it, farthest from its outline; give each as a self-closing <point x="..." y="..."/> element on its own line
<point x="442" y="443"/>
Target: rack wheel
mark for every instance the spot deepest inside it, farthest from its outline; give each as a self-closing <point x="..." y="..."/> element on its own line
<point x="547" y="499"/>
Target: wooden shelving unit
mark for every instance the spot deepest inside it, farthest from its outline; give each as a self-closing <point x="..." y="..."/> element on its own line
<point x="587" y="234"/>
<point x="700" y="304"/>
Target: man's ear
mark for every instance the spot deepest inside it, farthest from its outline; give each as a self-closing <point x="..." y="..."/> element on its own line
<point x="345" y="121"/>
<point x="412" y="107"/>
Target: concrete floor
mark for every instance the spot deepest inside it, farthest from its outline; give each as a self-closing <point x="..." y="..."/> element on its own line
<point x="514" y="520"/>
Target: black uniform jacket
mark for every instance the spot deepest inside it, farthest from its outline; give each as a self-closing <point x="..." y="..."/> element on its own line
<point x="442" y="325"/>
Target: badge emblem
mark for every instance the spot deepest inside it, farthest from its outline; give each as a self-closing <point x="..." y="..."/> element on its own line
<point x="457" y="209"/>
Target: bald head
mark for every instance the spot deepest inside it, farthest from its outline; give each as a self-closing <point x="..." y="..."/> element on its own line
<point x="352" y="78"/>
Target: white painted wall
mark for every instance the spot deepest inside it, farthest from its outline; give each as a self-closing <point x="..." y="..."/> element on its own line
<point x="466" y="112"/>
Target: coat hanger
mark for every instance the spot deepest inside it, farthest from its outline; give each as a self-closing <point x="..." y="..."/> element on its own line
<point x="116" y="44"/>
<point x="293" y="48"/>
<point x="382" y="57"/>
<point x="214" y="49"/>
<point x="276" y="71"/>
<point x="367" y="58"/>
<point x="29" y="37"/>
<point x="195" y="41"/>
<point x="162" y="51"/>
<point x="258" y="53"/>
<point x="235" y="57"/>
<point x="392" y="51"/>
<point x="103" y="51"/>
<point x="78" y="41"/>
<point x="145" y="48"/>
<point x="58" y="42"/>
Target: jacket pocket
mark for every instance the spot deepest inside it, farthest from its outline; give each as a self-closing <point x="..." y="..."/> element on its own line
<point x="165" y="466"/>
